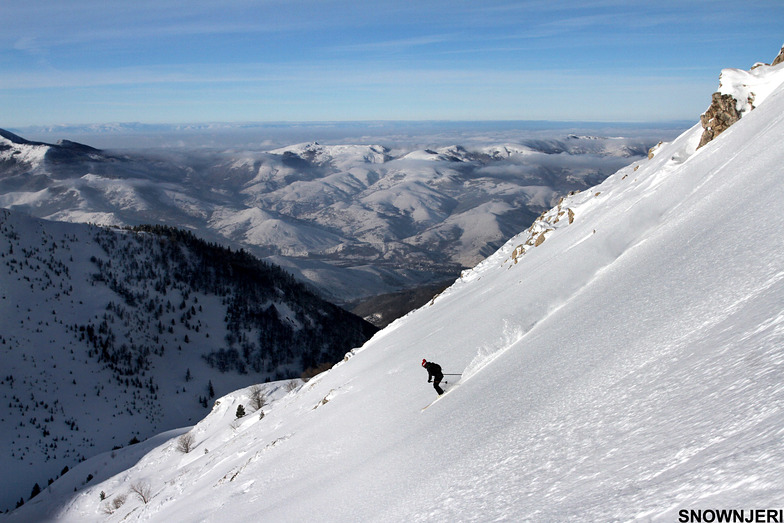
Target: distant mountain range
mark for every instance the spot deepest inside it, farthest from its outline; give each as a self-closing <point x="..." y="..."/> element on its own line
<point x="356" y="221"/>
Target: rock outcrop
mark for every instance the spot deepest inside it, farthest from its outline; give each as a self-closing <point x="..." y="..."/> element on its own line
<point x="722" y="113"/>
<point x="779" y="58"/>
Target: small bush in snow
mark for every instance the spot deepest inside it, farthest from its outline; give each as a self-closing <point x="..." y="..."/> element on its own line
<point x="186" y="442"/>
<point x="111" y="506"/>
<point x="240" y="411"/>
<point x="119" y="500"/>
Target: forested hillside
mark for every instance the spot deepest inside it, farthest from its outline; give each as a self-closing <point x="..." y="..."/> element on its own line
<point x="140" y="328"/>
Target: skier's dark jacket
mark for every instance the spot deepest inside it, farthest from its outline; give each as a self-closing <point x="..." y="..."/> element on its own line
<point x="433" y="371"/>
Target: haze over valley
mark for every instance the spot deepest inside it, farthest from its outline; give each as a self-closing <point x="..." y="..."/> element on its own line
<point x="355" y="220"/>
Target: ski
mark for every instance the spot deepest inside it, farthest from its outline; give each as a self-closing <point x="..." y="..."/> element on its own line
<point x="447" y="390"/>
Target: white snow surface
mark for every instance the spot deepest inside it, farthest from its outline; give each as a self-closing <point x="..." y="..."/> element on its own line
<point x="32" y="154"/>
<point x="627" y="367"/>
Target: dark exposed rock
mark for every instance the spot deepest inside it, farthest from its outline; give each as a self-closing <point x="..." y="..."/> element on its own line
<point x="722" y="113"/>
<point x="779" y="58"/>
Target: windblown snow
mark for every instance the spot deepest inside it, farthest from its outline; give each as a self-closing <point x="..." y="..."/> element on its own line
<point x="622" y="360"/>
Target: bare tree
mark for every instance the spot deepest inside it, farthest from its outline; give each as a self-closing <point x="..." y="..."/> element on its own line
<point x="292" y="385"/>
<point x="186" y="442"/>
<point x="143" y="490"/>
<point x="257" y="397"/>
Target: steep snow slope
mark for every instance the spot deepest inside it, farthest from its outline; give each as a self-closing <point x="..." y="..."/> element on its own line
<point x="620" y="360"/>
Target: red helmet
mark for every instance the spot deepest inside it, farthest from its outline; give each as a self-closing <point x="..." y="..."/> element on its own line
<point x="424" y="362"/>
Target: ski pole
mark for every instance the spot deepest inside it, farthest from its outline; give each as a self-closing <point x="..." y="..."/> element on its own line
<point x="452" y="374"/>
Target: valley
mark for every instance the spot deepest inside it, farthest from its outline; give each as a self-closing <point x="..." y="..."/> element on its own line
<point x="354" y="221"/>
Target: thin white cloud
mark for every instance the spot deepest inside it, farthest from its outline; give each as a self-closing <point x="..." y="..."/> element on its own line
<point x="27" y="43"/>
<point x="397" y="44"/>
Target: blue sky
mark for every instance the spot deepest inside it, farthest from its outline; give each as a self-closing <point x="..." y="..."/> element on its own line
<point x="177" y="61"/>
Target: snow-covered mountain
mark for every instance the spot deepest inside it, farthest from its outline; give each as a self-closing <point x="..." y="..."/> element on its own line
<point x="354" y="220"/>
<point x="622" y="359"/>
<point x="108" y="336"/>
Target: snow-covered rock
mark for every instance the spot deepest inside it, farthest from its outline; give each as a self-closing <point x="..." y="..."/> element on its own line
<point x="739" y="92"/>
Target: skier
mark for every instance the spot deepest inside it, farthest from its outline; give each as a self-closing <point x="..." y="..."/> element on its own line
<point x="434" y="374"/>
